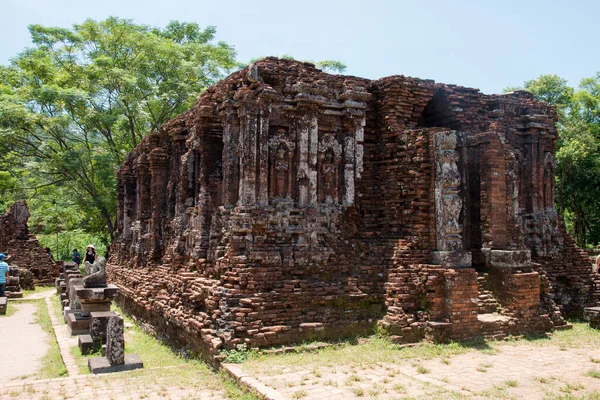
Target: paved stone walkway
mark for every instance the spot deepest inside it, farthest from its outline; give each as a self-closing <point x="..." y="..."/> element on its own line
<point x="23" y="343"/>
<point x="514" y="371"/>
<point x="118" y="386"/>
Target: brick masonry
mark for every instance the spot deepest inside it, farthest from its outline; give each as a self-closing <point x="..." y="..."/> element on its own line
<point x="24" y="249"/>
<point x="290" y="204"/>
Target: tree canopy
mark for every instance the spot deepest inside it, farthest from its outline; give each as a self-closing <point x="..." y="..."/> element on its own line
<point x="76" y="102"/>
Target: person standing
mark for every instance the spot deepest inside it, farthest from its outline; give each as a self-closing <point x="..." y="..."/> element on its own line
<point x="76" y="257"/>
<point x="90" y="254"/>
<point x="3" y="274"/>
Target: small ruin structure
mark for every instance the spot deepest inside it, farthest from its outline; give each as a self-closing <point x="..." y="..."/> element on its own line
<point x="24" y="249"/>
<point x="291" y="204"/>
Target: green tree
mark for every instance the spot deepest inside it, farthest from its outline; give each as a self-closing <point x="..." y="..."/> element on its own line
<point x="72" y="106"/>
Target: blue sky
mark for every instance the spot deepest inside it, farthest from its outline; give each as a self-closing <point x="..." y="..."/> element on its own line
<point x="484" y="44"/>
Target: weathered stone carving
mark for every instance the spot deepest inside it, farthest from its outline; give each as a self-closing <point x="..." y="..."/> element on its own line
<point x="289" y="203"/>
<point x="449" y="192"/>
<point x="96" y="274"/>
<point x="329" y="157"/>
<point x="282" y="154"/>
<point x="115" y="341"/>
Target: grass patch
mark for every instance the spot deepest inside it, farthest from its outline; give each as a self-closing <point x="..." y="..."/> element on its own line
<point x="52" y="363"/>
<point x="38" y="290"/>
<point x="511" y="383"/>
<point x="56" y="308"/>
<point x="179" y="371"/>
<point x="298" y="394"/>
<point x="239" y="354"/>
<point x="582" y="335"/>
<point x="10" y="308"/>
<point x="370" y="352"/>
<point x="152" y="352"/>
<point x="422" y="370"/>
<point x="593" y="374"/>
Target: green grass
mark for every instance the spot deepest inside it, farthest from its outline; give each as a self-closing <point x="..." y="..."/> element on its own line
<point x="164" y="367"/>
<point x="582" y="335"/>
<point x="10" y="308"/>
<point x="52" y="363"/>
<point x="371" y="351"/>
<point x="593" y="374"/>
<point x="37" y="290"/>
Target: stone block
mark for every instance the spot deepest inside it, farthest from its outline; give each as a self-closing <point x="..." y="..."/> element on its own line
<point x="95" y="299"/>
<point x="14" y="295"/>
<point x="78" y="324"/>
<point x="115" y="340"/>
<point x="70" y="266"/>
<point x="592" y="314"/>
<point x="509" y="258"/>
<point x="101" y="365"/>
<point x="86" y="344"/>
<point x="99" y="323"/>
<point x="72" y="284"/>
<point x="452" y="259"/>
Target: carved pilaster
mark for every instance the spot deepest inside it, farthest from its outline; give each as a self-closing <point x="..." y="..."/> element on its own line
<point x="143" y="188"/>
<point x="248" y="156"/>
<point x="449" y="201"/>
<point x="263" y="157"/>
<point x="231" y="177"/>
<point x="129" y="202"/>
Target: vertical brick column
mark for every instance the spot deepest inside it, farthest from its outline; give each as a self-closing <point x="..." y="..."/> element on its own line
<point x="493" y="173"/>
<point x="461" y="302"/>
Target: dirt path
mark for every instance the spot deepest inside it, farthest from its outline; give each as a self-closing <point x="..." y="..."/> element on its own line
<point x="23" y="343"/>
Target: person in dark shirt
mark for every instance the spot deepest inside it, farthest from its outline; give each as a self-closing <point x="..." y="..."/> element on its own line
<point x="90" y="254"/>
<point x="76" y="257"/>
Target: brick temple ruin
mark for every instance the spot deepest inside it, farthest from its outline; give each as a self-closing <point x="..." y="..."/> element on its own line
<point x="24" y="249"/>
<point x="289" y="204"/>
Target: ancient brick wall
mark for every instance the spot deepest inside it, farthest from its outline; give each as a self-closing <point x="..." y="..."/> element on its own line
<point x="289" y="203"/>
<point x="23" y="248"/>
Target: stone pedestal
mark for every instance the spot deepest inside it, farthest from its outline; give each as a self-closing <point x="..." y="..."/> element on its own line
<point x="13" y="286"/>
<point x="95" y="299"/>
<point x="78" y="323"/>
<point x="86" y="344"/>
<point x="115" y="360"/>
<point x="592" y="314"/>
<point x="99" y="323"/>
<point x="66" y="311"/>
<point x="57" y="283"/>
<point x="101" y="365"/>
<point x="72" y="285"/>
